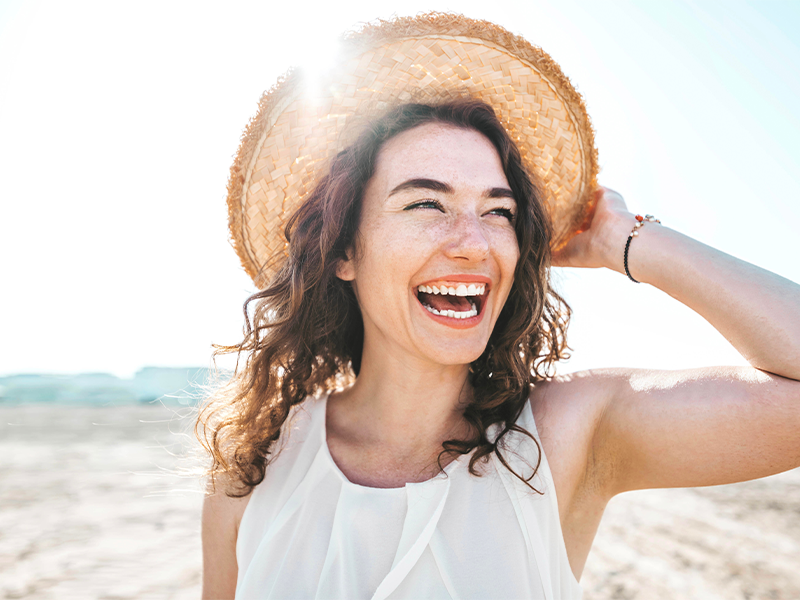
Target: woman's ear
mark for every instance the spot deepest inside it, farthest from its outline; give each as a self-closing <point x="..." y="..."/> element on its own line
<point x="346" y="270"/>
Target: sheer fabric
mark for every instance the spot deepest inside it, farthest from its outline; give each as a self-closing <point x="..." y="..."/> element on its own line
<point x="308" y="532"/>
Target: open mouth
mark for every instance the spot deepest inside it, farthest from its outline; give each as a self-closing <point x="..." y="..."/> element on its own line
<point x="456" y="300"/>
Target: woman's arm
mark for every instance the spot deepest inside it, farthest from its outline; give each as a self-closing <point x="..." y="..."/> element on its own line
<point x="757" y="311"/>
<point x="221" y="517"/>
<point x="704" y="426"/>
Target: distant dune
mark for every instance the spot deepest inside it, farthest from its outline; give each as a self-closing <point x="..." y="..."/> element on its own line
<point x="171" y="384"/>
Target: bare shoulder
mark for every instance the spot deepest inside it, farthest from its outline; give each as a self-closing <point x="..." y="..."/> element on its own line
<point x="222" y="515"/>
<point x="575" y="400"/>
<point x="222" y="510"/>
<point x="568" y="411"/>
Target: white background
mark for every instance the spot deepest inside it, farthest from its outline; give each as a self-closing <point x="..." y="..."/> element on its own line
<point x="119" y="121"/>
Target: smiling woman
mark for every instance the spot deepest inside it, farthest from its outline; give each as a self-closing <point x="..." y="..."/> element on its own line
<point x="396" y="430"/>
<point x="422" y="232"/>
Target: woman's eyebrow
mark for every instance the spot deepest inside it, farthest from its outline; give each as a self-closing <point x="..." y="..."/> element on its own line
<point x="426" y="184"/>
<point x="500" y="192"/>
<point x="440" y="186"/>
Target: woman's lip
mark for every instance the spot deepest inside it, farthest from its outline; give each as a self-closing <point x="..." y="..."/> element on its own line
<point x="453" y="322"/>
<point x="458" y="278"/>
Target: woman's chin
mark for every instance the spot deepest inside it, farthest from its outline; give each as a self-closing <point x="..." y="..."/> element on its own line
<point x="454" y="354"/>
<point x="448" y="346"/>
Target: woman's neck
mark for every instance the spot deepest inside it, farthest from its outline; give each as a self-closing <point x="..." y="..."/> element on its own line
<point x="399" y="410"/>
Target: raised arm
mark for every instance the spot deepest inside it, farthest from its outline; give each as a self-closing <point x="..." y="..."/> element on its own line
<point x="706" y="426"/>
<point x="757" y="311"/>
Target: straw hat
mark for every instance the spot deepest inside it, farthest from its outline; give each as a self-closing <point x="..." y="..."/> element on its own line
<point x="430" y="58"/>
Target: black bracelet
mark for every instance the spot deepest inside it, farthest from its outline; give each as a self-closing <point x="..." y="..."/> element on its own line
<point x="640" y="220"/>
<point x="627" y="247"/>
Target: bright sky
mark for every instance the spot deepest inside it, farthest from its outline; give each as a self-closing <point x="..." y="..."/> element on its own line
<point x="119" y="121"/>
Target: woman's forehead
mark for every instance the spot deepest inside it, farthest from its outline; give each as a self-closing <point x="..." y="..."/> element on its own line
<point x="439" y="152"/>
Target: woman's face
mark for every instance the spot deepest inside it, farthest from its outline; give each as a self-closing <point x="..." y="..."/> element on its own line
<point x="437" y="216"/>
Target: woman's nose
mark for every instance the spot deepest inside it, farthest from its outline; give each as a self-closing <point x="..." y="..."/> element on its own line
<point x="467" y="239"/>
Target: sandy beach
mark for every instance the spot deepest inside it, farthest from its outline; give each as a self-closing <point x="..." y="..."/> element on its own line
<point x="93" y="504"/>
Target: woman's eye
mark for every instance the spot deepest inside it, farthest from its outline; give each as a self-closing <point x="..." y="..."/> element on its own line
<point x="503" y="212"/>
<point x="425" y="204"/>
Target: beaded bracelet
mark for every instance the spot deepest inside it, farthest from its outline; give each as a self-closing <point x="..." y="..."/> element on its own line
<point x="634" y="232"/>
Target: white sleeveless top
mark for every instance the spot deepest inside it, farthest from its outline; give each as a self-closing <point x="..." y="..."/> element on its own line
<point x="308" y="532"/>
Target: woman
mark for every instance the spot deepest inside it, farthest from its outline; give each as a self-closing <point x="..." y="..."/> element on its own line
<point x="395" y="431"/>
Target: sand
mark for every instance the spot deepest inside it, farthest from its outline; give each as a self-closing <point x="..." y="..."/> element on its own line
<point x="92" y="505"/>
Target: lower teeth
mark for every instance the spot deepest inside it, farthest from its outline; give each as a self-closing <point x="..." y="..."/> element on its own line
<point x="452" y="313"/>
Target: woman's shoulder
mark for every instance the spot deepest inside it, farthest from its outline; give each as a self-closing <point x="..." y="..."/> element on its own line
<point x="224" y="503"/>
<point x="567" y="410"/>
<point x="574" y="400"/>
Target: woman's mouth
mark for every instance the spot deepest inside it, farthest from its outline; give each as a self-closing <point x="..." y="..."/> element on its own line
<point x="453" y="300"/>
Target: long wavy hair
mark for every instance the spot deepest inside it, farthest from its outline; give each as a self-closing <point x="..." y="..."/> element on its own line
<point x="305" y="333"/>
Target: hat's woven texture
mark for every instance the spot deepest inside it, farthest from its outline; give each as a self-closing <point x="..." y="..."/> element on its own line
<point x="430" y="59"/>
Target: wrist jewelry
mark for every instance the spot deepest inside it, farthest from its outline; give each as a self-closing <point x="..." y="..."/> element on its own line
<point x="640" y="220"/>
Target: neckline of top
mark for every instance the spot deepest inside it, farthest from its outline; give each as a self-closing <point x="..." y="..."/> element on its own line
<point x="366" y="488"/>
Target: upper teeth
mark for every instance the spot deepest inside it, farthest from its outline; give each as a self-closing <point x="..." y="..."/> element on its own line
<point x="459" y="290"/>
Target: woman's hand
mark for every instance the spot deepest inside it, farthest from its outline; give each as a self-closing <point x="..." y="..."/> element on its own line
<point x="603" y="243"/>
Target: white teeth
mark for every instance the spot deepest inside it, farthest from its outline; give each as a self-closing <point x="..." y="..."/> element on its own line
<point x="431" y="309"/>
<point x="453" y="314"/>
<point x="461" y="289"/>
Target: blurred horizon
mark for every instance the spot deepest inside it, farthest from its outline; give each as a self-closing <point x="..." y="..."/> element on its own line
<point x="173" y="385"/>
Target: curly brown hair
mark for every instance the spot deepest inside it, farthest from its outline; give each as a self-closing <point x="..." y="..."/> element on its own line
<point x="305" y="335"/>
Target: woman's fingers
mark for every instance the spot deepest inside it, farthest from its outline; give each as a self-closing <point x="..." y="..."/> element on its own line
<point x="592" y="248"/>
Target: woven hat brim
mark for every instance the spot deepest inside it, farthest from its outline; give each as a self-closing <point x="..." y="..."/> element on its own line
<point x="432" y="58"/>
